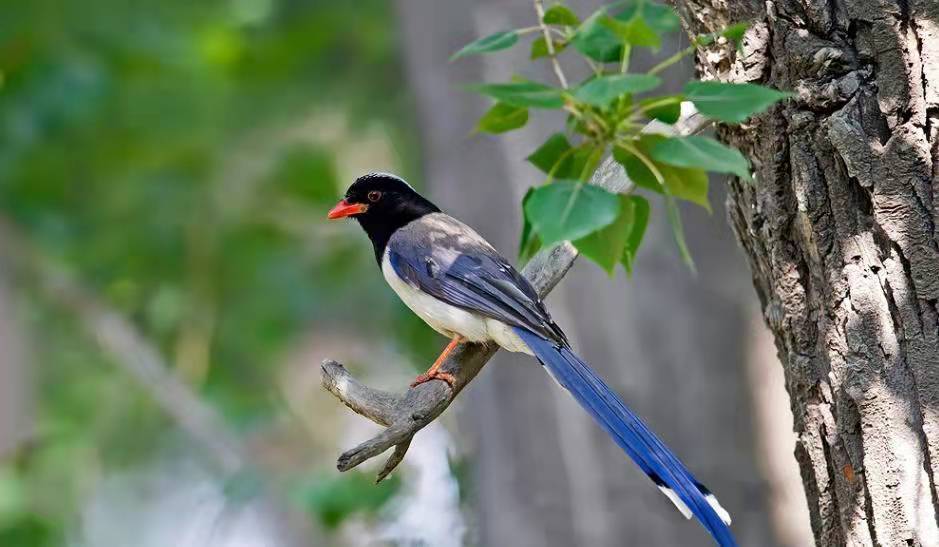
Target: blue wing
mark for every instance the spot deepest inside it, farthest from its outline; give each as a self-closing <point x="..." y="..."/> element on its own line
<point x="448" y="260"/>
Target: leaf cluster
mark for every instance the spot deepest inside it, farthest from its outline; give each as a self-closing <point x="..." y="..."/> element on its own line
<point x="607" y="114"/>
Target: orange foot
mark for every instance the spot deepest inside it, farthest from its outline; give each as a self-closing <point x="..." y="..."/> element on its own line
<point x="435" y="375"/>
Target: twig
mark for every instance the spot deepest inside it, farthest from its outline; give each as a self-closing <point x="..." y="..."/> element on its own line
<point x="539" y="11"/>
<point x="404" y="415"/>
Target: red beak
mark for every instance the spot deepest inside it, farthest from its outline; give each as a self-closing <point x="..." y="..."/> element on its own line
<point x="345" y="209"/>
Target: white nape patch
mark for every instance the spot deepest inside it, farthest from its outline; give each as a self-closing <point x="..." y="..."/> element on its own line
<point x="718" y="508"/>
<point x="677" y="501"/>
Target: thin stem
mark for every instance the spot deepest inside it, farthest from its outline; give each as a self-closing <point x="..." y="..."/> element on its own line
<point x="557" y="164"/>
<point x="539" y="11"/>
<point x="642" y="109"/>
<point x="596" y="68"/>
<point x="655" y="104"/>
<point x="624" y="63"/>
<point x="628" y="125"/>
<point x="647" y="162"/>
<point x="678" y="56"/>
<point x="593" y="162"/>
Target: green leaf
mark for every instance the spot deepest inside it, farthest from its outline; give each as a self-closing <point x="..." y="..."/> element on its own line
<point x="703" y="152"/>
<point x="560" y="15"/>
<point x="529" y="94"/>
<point x="526" y="224"/>
<point x="550" y="152"/>
<point x="662" y="19"/>
<point x="574" y="124"/>
<point x="607" y="245"/>
<point x="643" y="22"/>
<point x="640" y="213"/>
<point x="735" y="32"/>
<point x="539" y="47"/>
<point x="732" y="103"/>
<point x="635" y="32"/>
<point x="637" y="170"/>
<point x="666" y="109"/>
<point x="702" y="40"/>
<point x="618" y="242"/>
<point x="556" y="157"/>
<point x="682" y="182"/>
<point x="603" y="90"/>
<point x="493" y="42"/>
<point x="503" y="117"/>
<point x="569" y="210"/>
<point x="678" y="231"/>
<point x="596" y="41"/>
<point x="529" y="243"/>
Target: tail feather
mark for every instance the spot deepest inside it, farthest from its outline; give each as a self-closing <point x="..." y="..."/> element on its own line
<point x="632" y="435"/>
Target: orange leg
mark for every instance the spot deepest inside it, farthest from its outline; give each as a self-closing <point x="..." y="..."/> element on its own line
<point x="433" y="373"/>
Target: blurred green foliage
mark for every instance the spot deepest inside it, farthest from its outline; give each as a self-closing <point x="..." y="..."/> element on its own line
<point x="333" y="499"/>
<point x="177" y="158"/>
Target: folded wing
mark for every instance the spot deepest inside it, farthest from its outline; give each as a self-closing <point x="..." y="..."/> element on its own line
<point x="448" y="260"/>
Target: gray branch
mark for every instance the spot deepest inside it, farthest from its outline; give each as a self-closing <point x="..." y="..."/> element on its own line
<point x="406" y="414"/>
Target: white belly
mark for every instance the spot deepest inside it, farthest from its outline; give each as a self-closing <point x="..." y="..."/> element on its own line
<point x="452" y="321"/>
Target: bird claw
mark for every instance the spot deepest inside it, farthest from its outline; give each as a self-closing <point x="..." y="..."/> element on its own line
<point x="436" y="375"/>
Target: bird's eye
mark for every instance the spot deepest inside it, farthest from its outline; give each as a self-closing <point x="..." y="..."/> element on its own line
<point x="374" y="196"/>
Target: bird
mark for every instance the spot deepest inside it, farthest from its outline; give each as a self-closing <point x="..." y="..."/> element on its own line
<point x="463" y="288"/>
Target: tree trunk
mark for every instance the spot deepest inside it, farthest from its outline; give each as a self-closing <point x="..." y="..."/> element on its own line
<point x="840" y="233"/>
<point x="671" y="344"/>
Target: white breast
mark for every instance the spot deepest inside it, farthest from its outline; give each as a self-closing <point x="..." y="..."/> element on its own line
<point x="442" y="317"/>
<point x="449" y="320"/>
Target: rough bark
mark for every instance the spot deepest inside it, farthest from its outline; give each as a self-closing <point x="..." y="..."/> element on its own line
<point x="840" y="233"/>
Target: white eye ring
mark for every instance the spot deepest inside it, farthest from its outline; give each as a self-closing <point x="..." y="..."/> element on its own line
<point x="374" y="196"/>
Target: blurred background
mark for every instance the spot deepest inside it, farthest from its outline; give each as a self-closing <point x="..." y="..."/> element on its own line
<point x="169" y="286"/>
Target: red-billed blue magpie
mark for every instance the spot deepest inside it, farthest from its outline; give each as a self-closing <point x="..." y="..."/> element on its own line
<point x="464" y="289"/>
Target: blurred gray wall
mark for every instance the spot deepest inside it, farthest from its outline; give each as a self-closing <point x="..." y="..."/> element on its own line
<point x="672" y="344"/>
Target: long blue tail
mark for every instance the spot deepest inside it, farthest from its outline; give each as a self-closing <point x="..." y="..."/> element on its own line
<point x="632" y="435"/>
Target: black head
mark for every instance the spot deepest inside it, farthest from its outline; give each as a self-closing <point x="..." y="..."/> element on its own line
<point x="382" y="203"/>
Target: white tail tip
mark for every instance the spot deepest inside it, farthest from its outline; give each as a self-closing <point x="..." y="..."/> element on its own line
<point x="686" y="511"/>
<point x="718" y="508"/>
<point x="670" y="494"/>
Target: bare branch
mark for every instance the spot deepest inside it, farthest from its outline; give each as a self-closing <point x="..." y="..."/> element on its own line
<point x="404" y="415"/>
